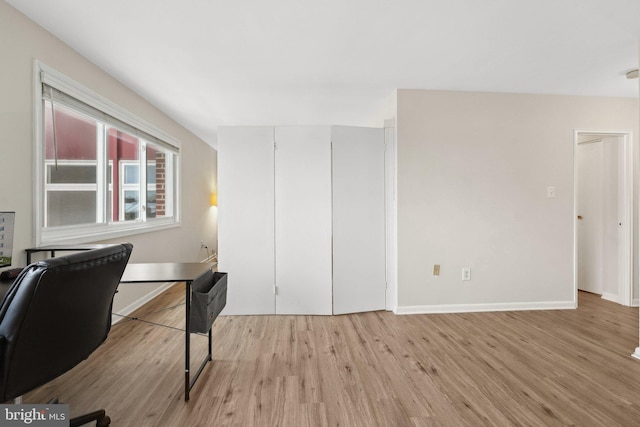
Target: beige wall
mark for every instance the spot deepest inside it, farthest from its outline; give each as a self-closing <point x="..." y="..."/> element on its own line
<point x="473" y="171"/>
<point x="22" y="41"/>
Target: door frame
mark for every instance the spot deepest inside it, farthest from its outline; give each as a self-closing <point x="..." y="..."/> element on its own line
<point x="625" y="275"/>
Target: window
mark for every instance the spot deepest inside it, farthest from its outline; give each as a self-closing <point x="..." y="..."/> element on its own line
<point x="101" y="172"/>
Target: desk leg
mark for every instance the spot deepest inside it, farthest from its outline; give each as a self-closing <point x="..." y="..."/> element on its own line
<point x="187" y="337"/>
<point x="190" y="382"/>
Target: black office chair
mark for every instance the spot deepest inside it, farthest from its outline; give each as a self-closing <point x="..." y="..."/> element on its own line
<point x="56" y="313"/>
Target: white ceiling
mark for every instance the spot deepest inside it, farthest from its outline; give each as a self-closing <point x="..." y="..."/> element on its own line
<point x="287" y="62"/>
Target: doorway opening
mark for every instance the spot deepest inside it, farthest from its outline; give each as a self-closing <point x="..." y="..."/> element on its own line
<point x="603" y="215"/>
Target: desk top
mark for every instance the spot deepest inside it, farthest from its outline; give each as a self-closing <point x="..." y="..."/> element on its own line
<point x="147" y="273"/>
<point x="164" y="271"/>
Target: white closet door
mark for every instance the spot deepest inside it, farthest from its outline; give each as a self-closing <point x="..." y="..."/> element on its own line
<point x="303" y="220"/>
<point x="591" y="210"/>
<point x="246" y="218"/>
<point x="358" y="220"/>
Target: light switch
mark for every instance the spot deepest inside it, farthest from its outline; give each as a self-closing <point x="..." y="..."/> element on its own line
<point x="551" y="192"/>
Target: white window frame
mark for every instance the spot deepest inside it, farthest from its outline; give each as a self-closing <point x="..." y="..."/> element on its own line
<point x="105" y="229"/>
<point x="150" y="186"/>
<point x="69" y="187"/>
<point x="139" y="187"/>
<point x="78" y="187"/>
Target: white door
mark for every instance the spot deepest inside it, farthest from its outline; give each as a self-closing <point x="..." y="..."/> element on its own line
<point x="303" y="220"/>
<point x="246" y="218"/>
<point x="612" y="237"/>
<point x="590" y="216"/>
<point x="358" y="219"/>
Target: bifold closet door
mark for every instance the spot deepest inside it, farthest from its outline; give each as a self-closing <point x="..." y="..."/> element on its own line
<point x="303" y="220"/>
<point x="246" y="218"/>
<point x="359" y="245"/>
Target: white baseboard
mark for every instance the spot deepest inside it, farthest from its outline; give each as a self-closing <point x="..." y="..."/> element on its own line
<point x="611" y="297"/>
<point x="472" y="308"/>
<point x="636" y="354"/>
<point x="617" y="300"/>
<point x="140" y="302"/>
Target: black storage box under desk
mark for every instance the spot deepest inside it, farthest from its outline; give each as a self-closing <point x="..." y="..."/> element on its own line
<point x="208" y="298"/>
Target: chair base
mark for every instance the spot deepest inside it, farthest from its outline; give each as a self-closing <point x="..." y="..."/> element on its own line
<point x="100" y="417"/>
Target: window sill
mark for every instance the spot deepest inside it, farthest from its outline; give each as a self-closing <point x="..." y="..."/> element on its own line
<point x="74" y="235"/>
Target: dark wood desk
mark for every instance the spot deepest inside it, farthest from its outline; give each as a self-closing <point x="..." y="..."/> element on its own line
<point x="185" y="272"/>
<point x="162" y="272"/>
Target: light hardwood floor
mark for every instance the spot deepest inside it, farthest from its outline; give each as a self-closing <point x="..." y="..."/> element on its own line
<point x="535" y="368"/>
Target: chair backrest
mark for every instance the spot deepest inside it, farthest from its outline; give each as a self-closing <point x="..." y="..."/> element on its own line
<point x="56" y="313"/>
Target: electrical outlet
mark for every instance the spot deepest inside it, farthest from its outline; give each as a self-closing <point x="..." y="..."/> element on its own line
<point x="466" y="273"/>
<point x="436" y="269"/>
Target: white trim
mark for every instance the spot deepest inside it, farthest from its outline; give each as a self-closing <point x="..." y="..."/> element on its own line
<point x="102" y="190"/>
<point x="636" y="353"/>
<point x="625" y="283"/>
<point x="102" y="232"/>
<point x="391" y="202"/>
<point x="142" y="190"/>
<point x="140" y="302"/>
<point x="38" y="170"/>
<point x="54" y="78"/>
<point x="60" y="187"/>
<point x="612" y="297"/>
<point x="101" y="183"/>
<point x="124" y="187"/>
<point x="473" y="308"/>
<point x="107" y="229"/>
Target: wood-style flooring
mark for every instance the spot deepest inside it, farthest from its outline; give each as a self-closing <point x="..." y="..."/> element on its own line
<point x="532" y="368"/>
